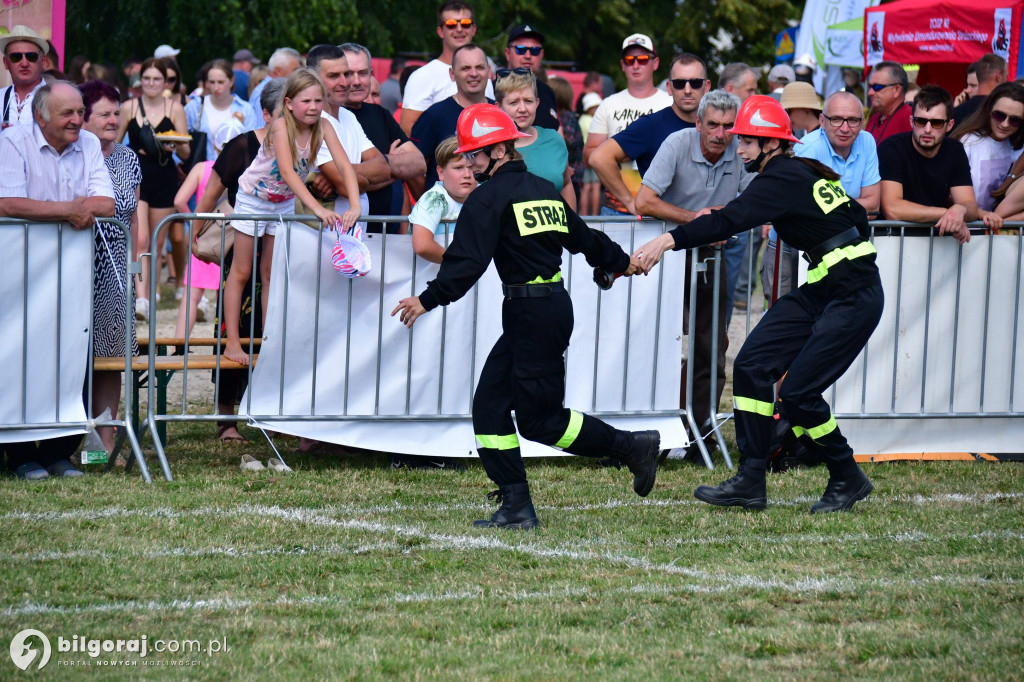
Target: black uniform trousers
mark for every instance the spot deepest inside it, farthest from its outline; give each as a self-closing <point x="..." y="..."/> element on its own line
<point x="704" y="406"/>
<point x="812" y="335"/>
<point x="525" y="372"/>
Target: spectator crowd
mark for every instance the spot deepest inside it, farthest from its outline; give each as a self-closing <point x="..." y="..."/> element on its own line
<point x="312" y="131"/>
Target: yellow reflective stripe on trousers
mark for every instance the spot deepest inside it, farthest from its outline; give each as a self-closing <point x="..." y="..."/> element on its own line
<point x="498" y="442"/>
<point x="755" y="406"/>
<point x="836" y="256"/>
<point x="571" y="431"/>
<point x="540" y="280"/>
<point x="817" y="431"/>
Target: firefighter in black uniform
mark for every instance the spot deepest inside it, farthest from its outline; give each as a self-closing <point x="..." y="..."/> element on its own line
<point x="520" y="221"/>
<point x="811" y="335"/>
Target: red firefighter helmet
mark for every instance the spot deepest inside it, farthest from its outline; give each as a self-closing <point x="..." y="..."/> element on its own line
<point x="482" y="125"/>
<point x="763" y="116"/>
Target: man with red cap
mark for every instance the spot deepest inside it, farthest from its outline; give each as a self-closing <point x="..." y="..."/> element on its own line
<point x="521" y="222"/>
<point x="812" y="334"/>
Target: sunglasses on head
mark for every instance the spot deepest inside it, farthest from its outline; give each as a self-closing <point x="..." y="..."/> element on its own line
<point x="694" y="83"/>
<point x="519" y="71"/>
<point x="15" y="57"/>
<point x="921" y="121"/>
<point x="455" y="23"/>
<point x="1003" y="117"/>
<point x="641" y="59"/>
<point x="523" y="49"/>
<point x="878" y="87"/>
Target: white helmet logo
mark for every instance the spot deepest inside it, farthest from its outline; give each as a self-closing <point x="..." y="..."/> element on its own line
<point x="480" y="131"/>
<point x="758" y="120"/>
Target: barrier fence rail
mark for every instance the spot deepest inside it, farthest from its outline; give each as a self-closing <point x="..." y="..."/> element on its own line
<point x="331" y="354"/>
<point x="942" y="371"/>
<point x="46" y="320"/>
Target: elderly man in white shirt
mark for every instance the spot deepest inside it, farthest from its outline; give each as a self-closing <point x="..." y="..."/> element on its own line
<point x="50" y="171"/>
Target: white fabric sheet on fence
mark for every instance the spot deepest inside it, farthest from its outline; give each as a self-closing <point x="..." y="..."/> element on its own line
<point x="611" y="367"/>
<point x="935" y="356"/>
<point x="29" y="312"/>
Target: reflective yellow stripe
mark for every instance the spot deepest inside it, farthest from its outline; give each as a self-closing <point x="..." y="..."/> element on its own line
<point x="817" y="431"/>
<point x="755" y="406"/>
<point x="498" y="442"/>
<point x="836" y="256"/>
<point x="540" y="280"/>
<point x="571" y="431"/>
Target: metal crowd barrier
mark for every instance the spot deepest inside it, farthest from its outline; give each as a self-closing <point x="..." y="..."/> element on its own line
<point x="57" y="250"/>
<point x="346" y="412"/>
<point x="859" y="380"/>
<point x="946" y="348"/>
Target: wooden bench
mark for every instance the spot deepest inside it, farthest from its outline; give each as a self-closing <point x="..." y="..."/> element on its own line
<point x="166" y="365"/>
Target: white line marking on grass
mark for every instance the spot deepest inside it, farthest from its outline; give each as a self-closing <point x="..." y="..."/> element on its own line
<point x="353" y="510"/>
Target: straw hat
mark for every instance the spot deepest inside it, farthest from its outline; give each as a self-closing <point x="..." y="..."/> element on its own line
<point x="800" y="95"/>
<point x="20" y="32"/>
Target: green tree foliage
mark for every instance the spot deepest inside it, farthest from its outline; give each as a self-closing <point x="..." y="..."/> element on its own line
<point x="586" y="32"/>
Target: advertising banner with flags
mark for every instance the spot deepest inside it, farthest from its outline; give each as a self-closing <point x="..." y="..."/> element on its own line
<point x="924" y="31"/>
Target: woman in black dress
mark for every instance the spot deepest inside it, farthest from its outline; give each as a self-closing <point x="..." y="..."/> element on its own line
<point x="159" y="175"/>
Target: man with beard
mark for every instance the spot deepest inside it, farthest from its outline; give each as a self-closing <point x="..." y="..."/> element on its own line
<point x="921" y="170"/>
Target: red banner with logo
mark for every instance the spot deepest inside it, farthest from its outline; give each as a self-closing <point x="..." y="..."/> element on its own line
<point x="923" y="32"/>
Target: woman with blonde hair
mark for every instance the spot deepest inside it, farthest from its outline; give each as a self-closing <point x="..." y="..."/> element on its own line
<point x="543" y="149"/>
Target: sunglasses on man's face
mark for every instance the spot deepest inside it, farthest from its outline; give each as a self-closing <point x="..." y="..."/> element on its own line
<point x="1003" y="117"/>
<point x="694" y="83"/>
<point x="921" y="122"/>
<point x="15" y="57"/>
<point x="519" y="71"/>
<point x="641" y="59"/>
<point x="523" y="49"/>
<point x="455" y="23"/>
<point x="878" y="87"/>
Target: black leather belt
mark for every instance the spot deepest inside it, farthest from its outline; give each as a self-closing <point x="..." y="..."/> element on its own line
<point x="841" y="239"/>
<point x="531" y="290"/>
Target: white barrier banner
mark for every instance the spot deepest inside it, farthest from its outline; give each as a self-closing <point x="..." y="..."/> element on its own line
<point x="938" y="356"/>
<point x="447" y="347"/>
<point x="59" y="268"/>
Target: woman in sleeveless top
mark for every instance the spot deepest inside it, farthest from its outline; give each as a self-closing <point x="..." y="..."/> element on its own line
<point x="159" y="176"/>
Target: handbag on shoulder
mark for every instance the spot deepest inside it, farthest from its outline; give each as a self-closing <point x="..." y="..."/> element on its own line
<point x="209" y="236"/>
<point x="150" y="145"/>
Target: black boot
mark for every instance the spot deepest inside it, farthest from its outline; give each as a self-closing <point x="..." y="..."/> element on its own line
<point x="638" y="450"/>
<point x="843" y="490"/>
<point x="516" y="510"/>
<point x="746" y="489"/>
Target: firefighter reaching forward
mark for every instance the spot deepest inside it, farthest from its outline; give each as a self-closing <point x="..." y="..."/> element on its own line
<point x="520" y="221"/>
<point x="812" y="334"/>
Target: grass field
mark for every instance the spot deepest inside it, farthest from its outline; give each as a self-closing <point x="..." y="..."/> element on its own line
<point x="350" y="570"/>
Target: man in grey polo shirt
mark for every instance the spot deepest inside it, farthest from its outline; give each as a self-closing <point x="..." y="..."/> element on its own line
<point x="698" y="169"/>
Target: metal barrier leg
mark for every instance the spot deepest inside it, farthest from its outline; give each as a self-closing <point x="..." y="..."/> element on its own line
<point x="716" y="296"/>
<point x="695" y="266"/>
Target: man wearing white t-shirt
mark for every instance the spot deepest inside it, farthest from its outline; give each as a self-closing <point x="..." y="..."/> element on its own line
<point x="432" y="83"/>
<point x="641" y="97"/>
<point x="372" y="171"/>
